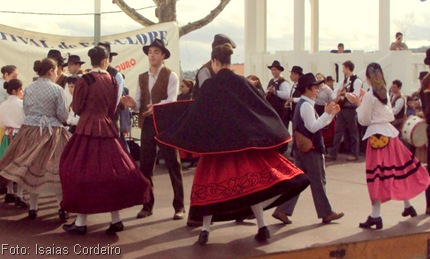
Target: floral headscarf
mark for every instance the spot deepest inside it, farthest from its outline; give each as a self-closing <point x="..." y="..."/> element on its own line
<point x="377" y="81"/>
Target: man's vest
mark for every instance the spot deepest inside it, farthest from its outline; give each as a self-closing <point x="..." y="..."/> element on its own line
<point x="277" y="103"/>
<point x="399" y="117"/>
<point x="345" y="103"/>
<point x="158" y="92"/>
<point x="299" y="125"/>
<point x="197" y="85"/>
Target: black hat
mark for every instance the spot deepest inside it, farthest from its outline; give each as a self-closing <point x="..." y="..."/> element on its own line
<point x="74" y="59"/>
<point x="422" y="75"/>
<point x="159" y="44"/>
<point x="427" y="59"/>
<point x="307" y="80"/>
<point x="329" y="78"/>
<point x="56" y="55"/>
<point x="220" y="39"/>
<point x="297" y="70"/>
<point x="277" y="65"/>
<point x="107" y="46"/>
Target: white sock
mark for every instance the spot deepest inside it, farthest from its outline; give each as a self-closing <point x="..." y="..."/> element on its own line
<point x="20" y="191"/>
<point x="259" y="214"/>
<point x="59" y="197"/>
<point x="81" y="220"/>
<point x="115" y="216"/>
<point x="34" y="197"/>
<point x="207" y="223"/>
<point x="10" y="188"/>
<point x="407" y="204"/>
<point x="376" y="209"/>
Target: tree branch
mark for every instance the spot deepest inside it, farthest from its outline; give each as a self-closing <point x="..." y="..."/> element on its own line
<point x="133" y="13"/>
<point x="204" y="21"/>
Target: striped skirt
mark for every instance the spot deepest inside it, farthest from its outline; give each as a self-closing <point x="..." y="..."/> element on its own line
<point x="393" y="173"/>
<point x="32" y="160"/>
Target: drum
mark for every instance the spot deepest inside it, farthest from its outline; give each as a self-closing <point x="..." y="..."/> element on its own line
<point x="414" y="131"/>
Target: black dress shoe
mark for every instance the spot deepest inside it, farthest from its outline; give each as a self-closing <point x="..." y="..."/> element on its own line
<point x="21" y="203"/>
<point x="113" y="228"/>
<point x="372" y="221"/>
<point x="10" y="198"/>
<point x="32" y="214"/>
<point x="73" y="229"/>
<point x="263" y="234"/>
<point x="203" y="237"/>
<point x="409" y="212"/>
<point x="63" y="215"/>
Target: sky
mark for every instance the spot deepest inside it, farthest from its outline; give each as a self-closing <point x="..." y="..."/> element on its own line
<point x="353" y="22"/>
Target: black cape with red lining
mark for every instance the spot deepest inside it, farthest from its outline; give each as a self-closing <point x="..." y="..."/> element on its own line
<point x="229" y="115"/>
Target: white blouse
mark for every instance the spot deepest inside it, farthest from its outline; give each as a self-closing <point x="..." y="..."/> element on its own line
<point x="376" y="116"/>
<point x="12" y="113"/>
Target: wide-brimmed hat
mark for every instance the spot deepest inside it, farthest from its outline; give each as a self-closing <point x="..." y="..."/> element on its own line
<point x="159" y="44"/>
<point x="329" y="79"/>
<point x="277" y="65"/>
<point x="74" y="59"/>
<point x="71" y="79"/>
<point x="297" y="70"/>
<point x="220" y="39"/>
<point x="107" y="46"/>
<point x="56" y="55"/>
<point x="422" y="75"/>
<point x="307" y="80"/>
<point x="427" y="59"/>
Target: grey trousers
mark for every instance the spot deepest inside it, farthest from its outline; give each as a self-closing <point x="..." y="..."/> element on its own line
<point x="313" y="165"/>
<point x="346" y="119"/>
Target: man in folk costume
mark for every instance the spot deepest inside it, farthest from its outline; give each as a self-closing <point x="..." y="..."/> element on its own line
<point x="158" y="85"/>
<point x="307" y="123"/>
<point x="347" y="117"/>
<point x="277" y="94"/>
<point x="206" y="71"/>
<point x="398" y="103"/>
<point x="57" y="56"/>
<point x="73" y="65"/>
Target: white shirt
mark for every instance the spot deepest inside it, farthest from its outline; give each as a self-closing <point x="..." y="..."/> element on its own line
<point x="12" y="113"/>
<point x="172" y="88"/>
<point x="283" y="92"/>
<point x="357" y="86"/>
<point x="398" y="105"/>
<point x="376" y="116"/>
<point x="313" y="123"/>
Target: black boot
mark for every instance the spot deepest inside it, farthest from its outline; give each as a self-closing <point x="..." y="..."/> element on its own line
<point x="409" y="212"/>
<point x="32" y="214"/>
<point x="203" y="237"/>
<point x="372" y="221"/>
<point x="263" y="234"/>
<point x="113" y="228"/>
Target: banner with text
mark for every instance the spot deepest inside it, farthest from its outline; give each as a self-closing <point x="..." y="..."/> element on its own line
<point x="21" y="48"/>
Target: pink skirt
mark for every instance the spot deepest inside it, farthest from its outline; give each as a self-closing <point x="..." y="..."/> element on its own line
<point x="393" y="173"/>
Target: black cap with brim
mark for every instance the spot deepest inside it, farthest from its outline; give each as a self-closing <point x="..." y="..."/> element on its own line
<point x="158" y="44"/>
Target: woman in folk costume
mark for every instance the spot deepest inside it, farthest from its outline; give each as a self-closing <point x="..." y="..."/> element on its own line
<point x="392" y="172"/>
<point x="11" y="119"/>
<point x="97" y="173"/>
<point x="33" y="157"/>
<point x="236" y="131"/>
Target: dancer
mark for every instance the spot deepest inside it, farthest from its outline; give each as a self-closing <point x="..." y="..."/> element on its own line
<point x="32" y="158"/>
<point x="97" y="173"/>
<point x="11" y="119"/>
<point x="237" y="142"/>
<point x="392" y="172"/>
